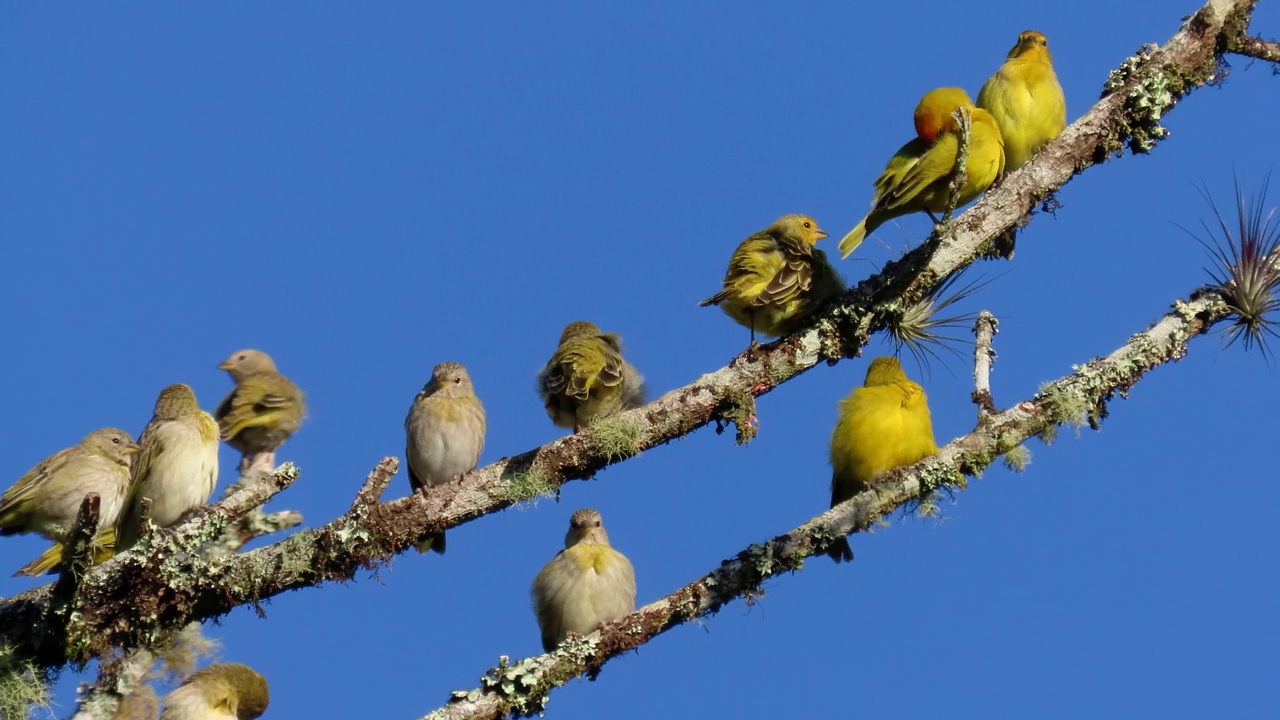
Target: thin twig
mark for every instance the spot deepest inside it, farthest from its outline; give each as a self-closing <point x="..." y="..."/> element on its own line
<point x="984" y="356"/>
<point x="959" y="176"/>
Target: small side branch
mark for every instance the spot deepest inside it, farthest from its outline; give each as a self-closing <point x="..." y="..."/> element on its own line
<point x="1255" y="47"/>
<point x="76" y="557"/>
<point x="984" y="356"/>
<point x="958" y="175"/>
<point x="375" y="484"/>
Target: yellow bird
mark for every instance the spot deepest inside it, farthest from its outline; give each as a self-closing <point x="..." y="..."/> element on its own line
<point x="933" y="115"/>
<point x="226" y="691"/>
<point x="585" y="584"/>
<point x="777" y="278"/>
<point x="918" y="177"/>
<point x="1026" y="100"/>
<point x="263" y="410"/>
<point x="882" y="425"/>
<point x="587" y="379"/>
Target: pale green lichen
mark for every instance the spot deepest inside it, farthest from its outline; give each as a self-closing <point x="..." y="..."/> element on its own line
<point x="1065" y="406"/>
<point x="615" y="438"/>
<point x="22" y="685"/>
<point x="1017" y="458"/>
<point x="528" y="485"/>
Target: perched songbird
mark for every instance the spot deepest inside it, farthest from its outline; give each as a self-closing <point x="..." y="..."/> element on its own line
<point x="586" y="378"/>
<point x="177" y="468"/>
<point x="585" y="584"/>
<point x="47" y="498"/>
<point x="444" y="433"/>
<point x="777" y="278"/>
<point x="226" y="691"/>
<point x="1025" y="99"/>
<point x="883" y="425"/>
<point x="934" y="113"/>
<point x="918" y="177"/>
<point x="263" y="410"/>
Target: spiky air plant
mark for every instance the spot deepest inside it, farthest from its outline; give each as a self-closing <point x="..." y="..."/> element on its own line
<point x="923" y="329"/>
<point x="1247" y="272"/>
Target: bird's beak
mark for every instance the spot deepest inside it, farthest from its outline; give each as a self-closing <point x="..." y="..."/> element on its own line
<point x="821" y="233"/>
<point x="133" y="450"/>
<point x="224" y="366"/>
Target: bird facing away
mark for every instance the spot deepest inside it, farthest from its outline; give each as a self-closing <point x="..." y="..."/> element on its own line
<point x="47" y="498"/>
<point x="226" y="691"/>
<point x="586" y="378"/>
<point x="933" y="115"/>
<point x="918" y="177"/>
<point x="1026" y="100"/>
<point x="444" y="434"/>
<point x="882" y="425"/>
<point x="777" y="279"/>
<point x="262" y="411"/>
<point x="584" y="585"/>
<point x="177" y="468"/>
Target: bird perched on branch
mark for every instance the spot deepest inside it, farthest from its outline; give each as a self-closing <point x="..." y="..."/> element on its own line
<point x="262" y="411"/>
<point x="225" y="691"/>
<point x="46" y="499"/>
<point x="177" y="468"/>
<point x="586" y="378"/>
<point x="1025" y="99"/>
<point x="777" y="278"/>
<point x="585" y="584"/>
<point x="882" y="425"/>
<point x="918" y="176"/>
<point x="444" y="434"/>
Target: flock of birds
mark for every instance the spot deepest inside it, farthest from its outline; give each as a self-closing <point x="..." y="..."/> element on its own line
<point x="776" y="280"/>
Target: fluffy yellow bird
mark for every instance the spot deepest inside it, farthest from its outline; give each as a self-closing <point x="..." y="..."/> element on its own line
<point x="587" y="379"/>
<point x="777" y="278"/>
<point x="918" y="177"/>
<point x="47" y="498"/>
<point x="263" y="410"/>
<point x="177" y="468"/>
<point x="882" y="425"/>
<point x="1025" y="99"/>
<point x="444" y="434"/>
<point x="585" y="584"/>
<point x="226" y="691"/>
<point x="933" y="115"/>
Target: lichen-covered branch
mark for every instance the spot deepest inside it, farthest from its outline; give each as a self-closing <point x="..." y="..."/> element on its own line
<point x="522" y="688"/>
<point x="143" y="597"/>
<point x="984" y="355"/>
<point x="1256" y="47"/>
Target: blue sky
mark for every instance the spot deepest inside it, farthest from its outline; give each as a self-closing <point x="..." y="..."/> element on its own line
<point x="366" y="191"/>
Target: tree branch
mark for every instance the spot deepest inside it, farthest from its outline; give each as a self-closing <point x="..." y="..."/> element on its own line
<point x="142" y="598"/>
<point x="522" y="688"/>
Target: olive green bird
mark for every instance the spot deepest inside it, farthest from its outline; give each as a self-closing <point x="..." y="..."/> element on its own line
<point x="585" y="584"/>
<point x="46" y="499"/>
<point x="918" y="176"/>
<point x="263" y="410"/>
<point x="225" y="691"/>
<point x="586" y="378"/>
<point x="777" y="278"/>
<point x="882" y="425"/>
<point x="444" y="434"/>
<point x="177" y="468"/>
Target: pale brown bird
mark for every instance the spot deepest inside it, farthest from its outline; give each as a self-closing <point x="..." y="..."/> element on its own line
<point x="585" y="584"/>
<point x="444" y="434"/>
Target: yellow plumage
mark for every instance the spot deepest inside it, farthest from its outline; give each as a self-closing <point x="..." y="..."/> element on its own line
<point x="777" y="278"/>
<point x="587" y="379"/>
<point x="918" y="177"/>
<point x="882" y="425"/>
<point x="1026" y="100"/>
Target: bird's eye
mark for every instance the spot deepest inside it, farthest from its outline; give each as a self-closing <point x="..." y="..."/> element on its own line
<point x="115" y="440"/>
<point x="457" y="381"/>
<point x="241" y="357"/>
<point x="808" y="224"/>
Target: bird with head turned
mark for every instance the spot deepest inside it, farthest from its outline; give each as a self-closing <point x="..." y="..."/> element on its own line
<point x="777" y="278"/>
<point x="882" y="425"/>
<point x="47" y="498"/>
<point x="1025" y="99"/>
<point x="262" y="411"/>
<point x="225" y="691"/>
<point x="587" y="378"/>
<point x="918" y="176"/>
<point x="444" y="434"/>
<point x="585" y="584"/>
